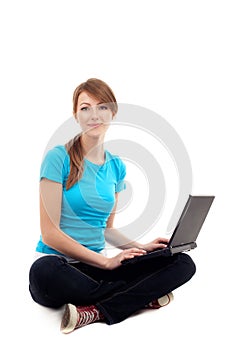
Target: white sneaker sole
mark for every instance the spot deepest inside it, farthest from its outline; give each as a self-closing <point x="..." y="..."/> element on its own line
<point x="69" y="319"/>
<point x="166" y="299"/>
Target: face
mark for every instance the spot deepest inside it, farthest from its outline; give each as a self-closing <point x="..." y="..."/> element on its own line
<point x="94" y="117"/>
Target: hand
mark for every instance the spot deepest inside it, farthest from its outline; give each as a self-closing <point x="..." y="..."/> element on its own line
<point x="130" y="253"/>
<point x="159" y="242"/>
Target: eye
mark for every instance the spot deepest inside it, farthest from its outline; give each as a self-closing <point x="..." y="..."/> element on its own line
<point x="103" y="107"/>
<point x="85" y="109"/>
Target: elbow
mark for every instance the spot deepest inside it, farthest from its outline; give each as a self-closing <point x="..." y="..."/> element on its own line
<point x="47" y="235"/>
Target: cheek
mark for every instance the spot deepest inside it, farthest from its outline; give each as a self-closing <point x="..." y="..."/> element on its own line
<point x="107" y="118"/>
<point x="82" y="121"/>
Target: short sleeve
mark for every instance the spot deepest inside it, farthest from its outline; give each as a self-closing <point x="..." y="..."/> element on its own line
<point x="120" y="185"/>
<point x="52" y="167"/>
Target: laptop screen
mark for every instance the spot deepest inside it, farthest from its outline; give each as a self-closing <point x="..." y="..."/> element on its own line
<point x="191" y="220"/>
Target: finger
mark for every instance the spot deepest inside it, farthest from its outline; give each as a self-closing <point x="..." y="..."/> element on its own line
<point x="132" y="255"/>
<point x="137" y="250"/>
<point x="161" y="245"/>
<point x="164" y="240"/>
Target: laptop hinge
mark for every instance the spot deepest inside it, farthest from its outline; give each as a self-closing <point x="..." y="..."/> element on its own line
<point x="183" y="247"/>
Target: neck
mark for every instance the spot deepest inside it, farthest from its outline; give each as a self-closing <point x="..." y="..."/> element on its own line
<point x="93" y="148"/>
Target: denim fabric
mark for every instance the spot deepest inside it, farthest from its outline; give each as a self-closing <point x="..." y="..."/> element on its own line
<point x="117" y="293"/>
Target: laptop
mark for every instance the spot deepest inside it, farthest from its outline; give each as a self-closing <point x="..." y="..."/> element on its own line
<point x="186" y="231"/>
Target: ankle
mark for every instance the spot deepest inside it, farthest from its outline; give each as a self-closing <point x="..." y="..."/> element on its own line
<point x="89" y="313"/>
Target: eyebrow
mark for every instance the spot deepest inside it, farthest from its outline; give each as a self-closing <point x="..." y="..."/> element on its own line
<point x="87" y="103"/>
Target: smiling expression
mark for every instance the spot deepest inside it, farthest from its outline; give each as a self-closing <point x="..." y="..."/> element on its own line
<point x="93" y="116"/>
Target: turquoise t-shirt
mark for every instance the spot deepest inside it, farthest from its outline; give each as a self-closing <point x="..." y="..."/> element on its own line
<point x="87" y="205"/>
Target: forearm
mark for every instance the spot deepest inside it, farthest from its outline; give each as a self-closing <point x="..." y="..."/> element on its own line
<point x="118" y="240"/>
<point x="61" y="242"/>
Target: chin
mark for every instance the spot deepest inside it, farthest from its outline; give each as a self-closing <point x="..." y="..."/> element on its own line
<point x="96" y="132"/>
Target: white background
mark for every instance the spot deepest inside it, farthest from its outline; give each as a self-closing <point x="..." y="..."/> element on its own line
<point x="173" y="57"/>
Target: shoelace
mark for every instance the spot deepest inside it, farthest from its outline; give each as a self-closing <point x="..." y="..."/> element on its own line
<point x="86" y="316"/>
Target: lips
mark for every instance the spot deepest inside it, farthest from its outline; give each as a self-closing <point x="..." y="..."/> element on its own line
<point x="94" y="125"/>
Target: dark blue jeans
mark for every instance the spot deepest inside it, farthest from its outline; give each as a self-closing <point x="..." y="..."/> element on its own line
<point x="117" y="293"/>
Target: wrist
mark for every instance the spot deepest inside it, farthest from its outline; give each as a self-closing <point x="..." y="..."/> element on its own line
<point x="104" y="263"/>
<point x="132" y="244"/>
<point x="138" y="245"/>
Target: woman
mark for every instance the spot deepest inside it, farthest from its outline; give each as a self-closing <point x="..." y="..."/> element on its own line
<point x="79" y="188"/>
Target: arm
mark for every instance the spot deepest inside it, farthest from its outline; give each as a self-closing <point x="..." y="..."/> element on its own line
<point x="53" y="236"/>
<point x="118" y="240"/>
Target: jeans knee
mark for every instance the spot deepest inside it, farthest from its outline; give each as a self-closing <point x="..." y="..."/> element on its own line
<point x="43" y="267"/>
<point x="40" y="274"/>
<point x="188" y="265"/>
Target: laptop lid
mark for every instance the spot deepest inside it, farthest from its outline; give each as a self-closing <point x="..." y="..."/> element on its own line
<point x="191" y="220"/>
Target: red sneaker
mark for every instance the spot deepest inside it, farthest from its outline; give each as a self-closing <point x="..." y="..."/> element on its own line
<point x="78" y="316"/>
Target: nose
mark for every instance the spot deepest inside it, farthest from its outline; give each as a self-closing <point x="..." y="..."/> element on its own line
<point x="94" y="114"/>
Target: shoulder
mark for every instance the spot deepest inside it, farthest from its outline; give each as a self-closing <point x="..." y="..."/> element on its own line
<point x="116" y="162"/>
<point x="57" y="152"/>
<point x="114" y="158"/>
<point x="57" y="156"/>
<point x="55" y="164"/>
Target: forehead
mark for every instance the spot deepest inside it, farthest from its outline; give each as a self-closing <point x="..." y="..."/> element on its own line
<point x="84" y="97"/>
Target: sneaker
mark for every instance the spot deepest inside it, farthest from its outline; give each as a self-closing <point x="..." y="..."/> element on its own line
<point x="78" y="316"/>
<point x="163" y="301"/>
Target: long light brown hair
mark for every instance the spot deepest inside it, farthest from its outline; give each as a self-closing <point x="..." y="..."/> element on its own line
<point x="104" y="94"/>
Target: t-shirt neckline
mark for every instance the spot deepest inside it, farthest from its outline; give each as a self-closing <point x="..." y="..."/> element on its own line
<point x="95" y="164"/>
